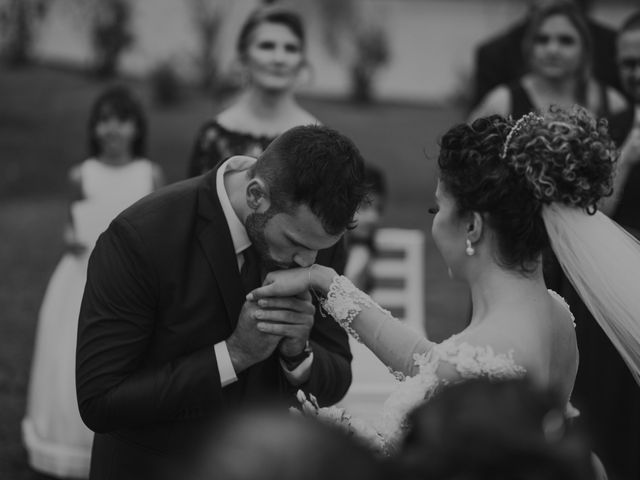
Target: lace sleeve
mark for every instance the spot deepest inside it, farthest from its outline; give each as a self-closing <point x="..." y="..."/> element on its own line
<point x="393" y="342"/>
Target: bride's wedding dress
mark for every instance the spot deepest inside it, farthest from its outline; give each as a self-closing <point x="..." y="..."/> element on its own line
<point x="423" y="367"/>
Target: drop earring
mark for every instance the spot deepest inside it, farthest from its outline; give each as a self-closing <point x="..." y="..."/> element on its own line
<point x="469" y="250"/>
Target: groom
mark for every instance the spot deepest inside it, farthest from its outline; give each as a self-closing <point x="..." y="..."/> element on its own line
<point x="166" y="339"/>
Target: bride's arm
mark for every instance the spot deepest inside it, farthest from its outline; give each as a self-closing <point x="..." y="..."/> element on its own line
<point x="393" y="342"/>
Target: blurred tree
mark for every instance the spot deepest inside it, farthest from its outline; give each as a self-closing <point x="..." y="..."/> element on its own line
<point x="372" y="53"/>
<point x="19" y="20"/>
<point x="166" y="84"/>
<point x="352" y="36"/>
<point x="109" y="26"/>
<point x="111" y="34"/>
<point x="207" y="18"/>
<point x="339" y="19"/>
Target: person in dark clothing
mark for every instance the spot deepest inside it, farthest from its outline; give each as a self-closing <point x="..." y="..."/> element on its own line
<point x="605" y="391"/>
<point x="167" y="339"/>
<point x="271" y="52"/>
<point x="500" y="59"/>
<point x="558" y="50"/>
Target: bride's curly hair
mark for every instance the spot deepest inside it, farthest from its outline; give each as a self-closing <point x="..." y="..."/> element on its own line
<point x="509" y="170"/>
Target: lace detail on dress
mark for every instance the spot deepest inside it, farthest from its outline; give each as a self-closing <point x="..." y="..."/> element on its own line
<point x="215" y="143"/>
<point x="344" y="302"/>
<point x="470" y="361"/>
<point x="561" y="299"/>
<point x="473" y="361"/>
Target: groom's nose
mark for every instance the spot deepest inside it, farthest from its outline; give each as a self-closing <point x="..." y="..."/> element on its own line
<point x="305" y="258"/>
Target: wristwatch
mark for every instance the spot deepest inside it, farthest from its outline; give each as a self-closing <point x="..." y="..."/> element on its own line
<point x="291" y="362"/>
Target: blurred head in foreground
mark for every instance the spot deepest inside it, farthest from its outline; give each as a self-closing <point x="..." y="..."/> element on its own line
<point x="265" y="444"/>
<point x="480" y="430"/>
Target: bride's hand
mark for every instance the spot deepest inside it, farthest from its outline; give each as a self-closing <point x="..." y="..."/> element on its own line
<point x="294" y="281"/>
<point x="309" y="405"/>
<point x="282" y="283"/>
<point x="332" y="415"/>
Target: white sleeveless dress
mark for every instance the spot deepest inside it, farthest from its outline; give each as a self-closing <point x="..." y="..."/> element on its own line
<point x="57" y="441"/>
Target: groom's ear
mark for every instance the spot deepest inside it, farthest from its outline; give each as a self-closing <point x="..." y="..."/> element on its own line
<point x="475" y="226"/>
<point x="258" y="198"/>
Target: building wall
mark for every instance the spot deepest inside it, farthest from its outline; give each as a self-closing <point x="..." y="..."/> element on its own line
<point x="431" y="41"/>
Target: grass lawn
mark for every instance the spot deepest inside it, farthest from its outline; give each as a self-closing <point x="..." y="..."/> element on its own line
<point x="43" y="132"/>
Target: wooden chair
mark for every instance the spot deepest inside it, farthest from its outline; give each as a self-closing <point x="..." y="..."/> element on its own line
<point x="398" y="272"/>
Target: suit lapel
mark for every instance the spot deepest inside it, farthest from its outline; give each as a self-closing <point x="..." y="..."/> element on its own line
<point x="215" y="241"/>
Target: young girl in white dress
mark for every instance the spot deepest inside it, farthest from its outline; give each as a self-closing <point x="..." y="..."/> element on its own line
<point x="115" y="176"/>
<point x="506" y="190"/>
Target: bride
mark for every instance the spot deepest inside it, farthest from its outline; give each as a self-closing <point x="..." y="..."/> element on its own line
<point x="505" y="192"/>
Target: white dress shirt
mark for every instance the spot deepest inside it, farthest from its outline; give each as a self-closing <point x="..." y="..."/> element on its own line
<point x="241" y="242"/>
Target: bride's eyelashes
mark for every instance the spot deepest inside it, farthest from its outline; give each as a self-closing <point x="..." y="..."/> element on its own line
<point x="433" y="210"/>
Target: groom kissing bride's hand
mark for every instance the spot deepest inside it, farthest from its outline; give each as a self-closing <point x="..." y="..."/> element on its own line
<point x="294" y="281"/>
<point x="167" y="340"/>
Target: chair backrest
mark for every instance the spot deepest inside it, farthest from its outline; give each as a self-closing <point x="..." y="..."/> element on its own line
<point x="398" y="272"/>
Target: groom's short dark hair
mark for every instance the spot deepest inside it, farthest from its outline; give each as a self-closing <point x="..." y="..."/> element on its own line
<point x="318" y="167"/>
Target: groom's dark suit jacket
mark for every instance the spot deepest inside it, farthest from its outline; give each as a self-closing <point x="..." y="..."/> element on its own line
<point x="162" y="288"/>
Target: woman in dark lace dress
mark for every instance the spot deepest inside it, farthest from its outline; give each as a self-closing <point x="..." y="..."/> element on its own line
<point x="558" y="48"/>
<point x="271" y="51"/>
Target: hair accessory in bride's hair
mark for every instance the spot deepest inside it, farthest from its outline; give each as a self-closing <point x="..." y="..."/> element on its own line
<point x="519" y="125"/>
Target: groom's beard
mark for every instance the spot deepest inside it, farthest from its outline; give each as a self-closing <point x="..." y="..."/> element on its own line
<point x="255" y="226"/>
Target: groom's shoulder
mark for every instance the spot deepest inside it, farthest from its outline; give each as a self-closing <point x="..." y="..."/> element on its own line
<point x="169" y="207"/>
<point x="178" y="198"/>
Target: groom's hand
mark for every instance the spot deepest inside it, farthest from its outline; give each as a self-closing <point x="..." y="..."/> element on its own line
<point x="247" y="345"/>
<point x="287" y="317"/>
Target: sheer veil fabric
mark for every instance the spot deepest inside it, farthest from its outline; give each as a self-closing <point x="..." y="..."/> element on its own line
<point x="602" y="261"/>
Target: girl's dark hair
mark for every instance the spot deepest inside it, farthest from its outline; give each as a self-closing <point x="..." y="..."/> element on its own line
<point x="118" y="101"/>
<point x="569" y="10"/>
<point x="563" y="156"/>
<point x="269" y="14"/>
